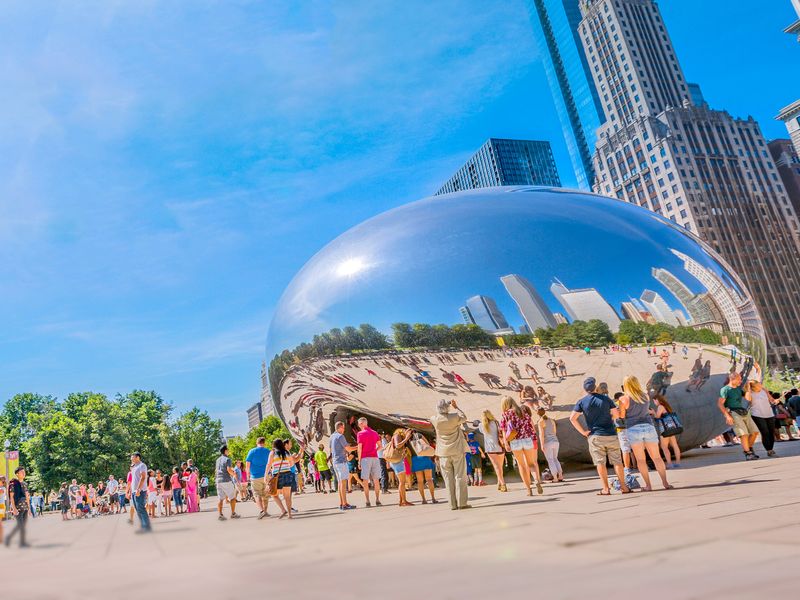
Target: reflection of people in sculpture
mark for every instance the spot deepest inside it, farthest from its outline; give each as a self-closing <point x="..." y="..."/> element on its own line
<point x="562" y="367"/>
<point x="428" y="377"/>
<point x="527" y="393"/>
<point x="492" y="381"/>
<point x="422" y="382"/>
<point x="374" y="374"/>
<point x="551" y="364"/>
<point x="545" y="399"/>
<point x="460" y="383"/>
<point x="448" y="376"/>
<point x="660" y="380"/>
<point x="513" y="385"/>
<point x="705" y="375"/>
<point x="696" y="375"/>
<point x="532" y="373"/>
<point x="515" y="369"/>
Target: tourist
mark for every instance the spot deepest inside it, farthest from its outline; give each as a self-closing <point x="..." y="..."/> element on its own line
<point x="599" y="412"/>
<point x="225" y="479"/>
<point x="280" y="467"/>
<point x="256" y="464"/>
<point x="669" y="444"/>
<point x="339" y="450"/>
<point x="553" y="366"/>
<point x="63" y="499"/>
<point x="624" y="444"/>
<point x="528" y="394"/>
<point x="152" y="493"/>
<point x="490" y="430"/>
<point x="550" y="445"/>
<point x="313" y="475"/>
<point x="562" y="368"/>
<point x="74" y="490"/>
<point x="545" y="399"/>
<point x="762" y="413"/>
<point x="783" y="418"/>
<point x="521" y="440"/>
<point x="659" y="381"/>
<point x="737" y="416"/>
<point x="475" y="456"/>
<point x="128" y="495"/>
<point x="18" y="504"/>
<point x="382" y="460"/>
<point x="137" y="490"/>
<point x="166" y="495"/>
<point x="422" y="468"/>
<point x="175" y="484"/>
<point x="192" y="490"/>
<point x="112" y="487"/>
<point x="399" y="462"/>
<point x="3" y="494"/>
<point x="451" y="449"/>
<point x="634" y="408"/>
<point x="368" y="442"/>
<point x="792" y="400"/>
<point x="204" y="486"/>
<point x="321" y="459"/>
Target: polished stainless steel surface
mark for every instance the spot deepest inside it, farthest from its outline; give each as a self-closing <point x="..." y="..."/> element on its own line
<point x="505" y="259"/>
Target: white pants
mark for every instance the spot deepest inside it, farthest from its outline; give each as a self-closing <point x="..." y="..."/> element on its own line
<point x="550" y="450"/>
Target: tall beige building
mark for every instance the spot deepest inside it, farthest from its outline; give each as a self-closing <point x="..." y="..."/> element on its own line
<point x="790" y="115"/>
<point x="663" y="148"/>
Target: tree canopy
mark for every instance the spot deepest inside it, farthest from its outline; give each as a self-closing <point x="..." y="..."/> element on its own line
<point x="88" y="436"/>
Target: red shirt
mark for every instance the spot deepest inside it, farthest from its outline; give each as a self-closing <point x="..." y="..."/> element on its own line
<point x="369" y="440"/>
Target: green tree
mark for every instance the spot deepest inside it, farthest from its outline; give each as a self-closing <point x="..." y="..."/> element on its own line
<point x="146" y="417"/>
<point x="18" y="416"/>
<point x="198" y="436"/>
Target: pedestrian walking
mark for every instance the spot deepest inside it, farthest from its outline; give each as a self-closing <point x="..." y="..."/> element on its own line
<point x="19" y="501"/>
<point x="762" y="413"/>
<point x="279" y="467"/>
<point x="137" y="491"/>
<point x="225" y="478"/>
<point x="731" y="404"/>
<point x="521" y="440"/>
<point x="256" y="463"/>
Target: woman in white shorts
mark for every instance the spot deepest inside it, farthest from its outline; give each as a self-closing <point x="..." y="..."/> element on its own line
<point x="515" y="424"/>
<point x="634" y="407"/>
<point x="490" y="429"/>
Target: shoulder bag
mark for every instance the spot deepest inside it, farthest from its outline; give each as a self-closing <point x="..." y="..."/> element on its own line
<point x="420" y="445"/>
<point x="669" y="425"/>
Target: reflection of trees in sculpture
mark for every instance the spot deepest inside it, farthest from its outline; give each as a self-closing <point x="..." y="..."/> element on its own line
<point x="636" y="333"/>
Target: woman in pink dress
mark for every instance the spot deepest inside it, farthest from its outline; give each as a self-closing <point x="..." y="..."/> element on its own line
<point x="192" y="505"/>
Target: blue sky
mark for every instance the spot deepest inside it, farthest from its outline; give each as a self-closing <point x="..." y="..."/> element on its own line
<point x="166" y="167"/>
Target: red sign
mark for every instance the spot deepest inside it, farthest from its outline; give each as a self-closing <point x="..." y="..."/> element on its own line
<point x="12" y="455"/>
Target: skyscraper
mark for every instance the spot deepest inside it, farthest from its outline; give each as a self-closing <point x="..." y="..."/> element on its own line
<point x="794" y="28"/>
<point x="658" y="307"/>
<point x="787" y="160"/>
<point x="579" y="109"/>
<point x="790" y="115"/>
<point x="585" y="304"/>
<point x="700" y="307"/>
<point x="505" y="162"/>
<point x="630" y="312"/>
<point x="700" y="168"/>
<point x="529" y="302"/>
<point x="483" y="312"/>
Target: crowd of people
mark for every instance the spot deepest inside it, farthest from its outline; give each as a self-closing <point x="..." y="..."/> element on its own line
<point x="634" y="431"/>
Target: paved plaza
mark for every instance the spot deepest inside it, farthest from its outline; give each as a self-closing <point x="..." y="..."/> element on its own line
<point x="728" y="530"/>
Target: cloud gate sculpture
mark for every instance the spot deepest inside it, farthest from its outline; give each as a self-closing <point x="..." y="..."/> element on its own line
<point x="479" y="294"/>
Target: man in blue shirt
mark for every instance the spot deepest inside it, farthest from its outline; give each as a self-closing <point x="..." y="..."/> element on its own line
<point x="599" y="412"/>
<point x="257" y="460"/>
<point x="339" y="450"/>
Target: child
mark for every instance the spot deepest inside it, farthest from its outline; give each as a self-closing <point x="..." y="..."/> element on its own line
<point x="475" y="459"/>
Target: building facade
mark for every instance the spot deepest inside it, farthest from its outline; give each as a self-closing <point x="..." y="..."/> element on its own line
<point x="530" y="303"/>
<point x="787" y="160"/>
<point x="658" y="307"/>
<point x="790" y="115"/>
<point x="484" y="312"/>
<point x="794" y="28"/>
<point x="506" y="162"/>
<point x="555" y="24"/>
<point x="701" y="168"/>
<point x="585" y="304"/>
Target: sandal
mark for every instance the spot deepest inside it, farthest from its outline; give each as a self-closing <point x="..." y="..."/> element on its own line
<point x="604" y="493"/>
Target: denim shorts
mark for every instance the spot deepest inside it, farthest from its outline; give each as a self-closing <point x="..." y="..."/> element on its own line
<point x="643" y="433"/>
<point x="523" y="444"/>
<point x="624" y="444"/>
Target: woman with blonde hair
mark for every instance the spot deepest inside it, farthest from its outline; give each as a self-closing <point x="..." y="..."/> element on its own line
<point x="667" y="443"/>
<point x="545" y="399"/>
<point x="490" y="429"/>
<point x="634" y="408"/>
<point x="520" y="438"/>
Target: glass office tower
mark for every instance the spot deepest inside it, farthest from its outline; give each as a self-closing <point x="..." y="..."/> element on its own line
<point x="555" y="24"/>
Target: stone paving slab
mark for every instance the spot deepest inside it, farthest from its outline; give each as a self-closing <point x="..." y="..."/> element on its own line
<point x="727" y="531"/>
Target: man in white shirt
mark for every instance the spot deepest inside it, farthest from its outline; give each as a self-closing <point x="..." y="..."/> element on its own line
<point x="112" y="487"/>
<point x="138" y="490"/>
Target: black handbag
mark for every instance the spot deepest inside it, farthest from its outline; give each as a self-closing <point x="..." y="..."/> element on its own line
<point x="669" y="425"/>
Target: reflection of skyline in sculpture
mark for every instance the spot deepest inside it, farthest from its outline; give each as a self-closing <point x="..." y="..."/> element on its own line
<point x="483" y="312"/>
<point x="739" y="313"/>
<point x="529" y="302"/>
<point x="414" y="266"/>
<point x="703" y="311"/>
<point x="658" y="307"/>
<point x="585" y="304"/>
